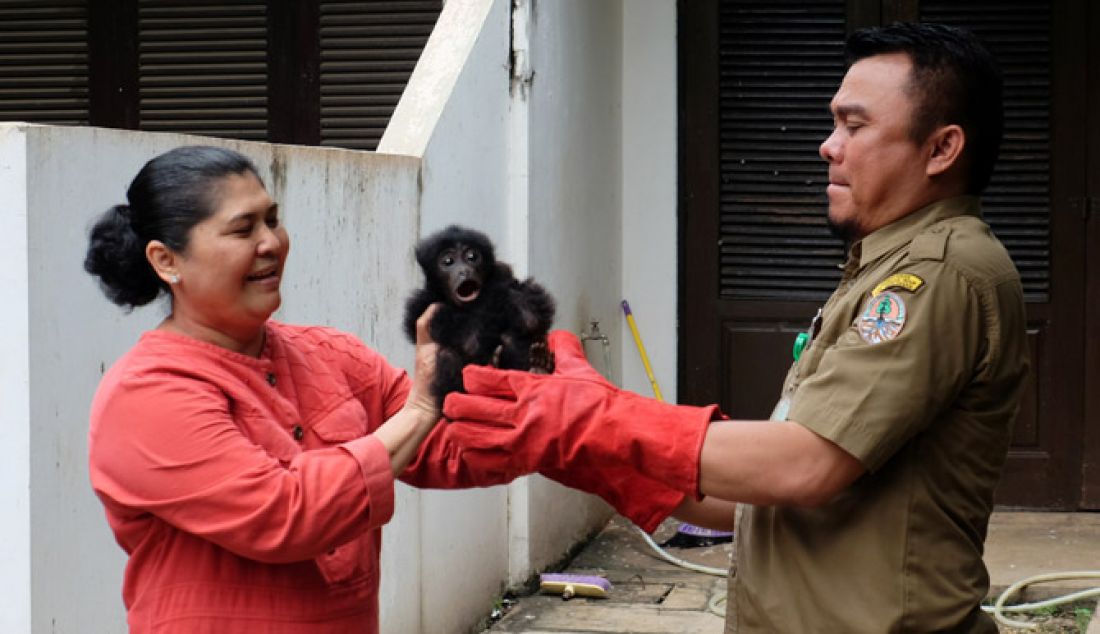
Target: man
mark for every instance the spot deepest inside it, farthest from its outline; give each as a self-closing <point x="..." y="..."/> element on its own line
<point x="866" y="500"/>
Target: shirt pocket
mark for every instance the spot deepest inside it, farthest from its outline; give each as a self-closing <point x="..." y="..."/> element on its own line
<point x="347" y="421"/>
<point x="811" y="359"/>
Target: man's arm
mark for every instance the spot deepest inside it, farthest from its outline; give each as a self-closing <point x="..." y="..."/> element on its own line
<point x="739" y="464"/>
<point x="773" y="463"/>
<point x="710" y="512"/>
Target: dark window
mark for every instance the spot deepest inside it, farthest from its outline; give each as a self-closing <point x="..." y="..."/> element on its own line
<point x="307" y="72"/>
<point x="1017" y="202"/>
<point x="780" y="64"/>
<point x="202" y="68"/>
<point x="44" y="62"/>
<point x="368" y="52"/>
<point x="779" y="67"/>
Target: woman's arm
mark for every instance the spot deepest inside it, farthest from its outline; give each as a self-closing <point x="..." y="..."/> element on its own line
<point x="403" y="433"/>
<point x="168" y="445"/>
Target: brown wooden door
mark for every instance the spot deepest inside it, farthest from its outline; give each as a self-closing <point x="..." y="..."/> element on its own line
<point x="757" y="260"/>
<point x="1091" y="450"/>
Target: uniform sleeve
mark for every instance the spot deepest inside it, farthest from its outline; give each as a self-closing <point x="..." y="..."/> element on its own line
<point x="870" y="398"/>
<point x="168" y="446"/>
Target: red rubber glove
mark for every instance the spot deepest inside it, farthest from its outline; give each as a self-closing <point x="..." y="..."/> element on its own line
<point x="446" y="462"/>
<point x="644" y="501"/>
<point x="576" y="427"/>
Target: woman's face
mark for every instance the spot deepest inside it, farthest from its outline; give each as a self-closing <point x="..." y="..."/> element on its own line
<point x="230" y="271"/>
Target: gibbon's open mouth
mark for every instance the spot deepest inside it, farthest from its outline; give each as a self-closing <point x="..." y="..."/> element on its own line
<point x="468" y="291"/>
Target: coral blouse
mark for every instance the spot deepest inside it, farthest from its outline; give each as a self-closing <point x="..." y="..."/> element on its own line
<point x="248" y="492"/>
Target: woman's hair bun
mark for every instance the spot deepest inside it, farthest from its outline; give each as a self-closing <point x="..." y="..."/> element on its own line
<point x="116" y="255"/>
<point x="172" y="193"/>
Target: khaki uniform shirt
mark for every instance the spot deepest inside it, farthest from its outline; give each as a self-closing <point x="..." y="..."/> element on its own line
<point x="915" y="369"/>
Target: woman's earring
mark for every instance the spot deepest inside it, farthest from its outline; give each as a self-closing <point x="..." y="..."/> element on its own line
<point x="174" y="279"/>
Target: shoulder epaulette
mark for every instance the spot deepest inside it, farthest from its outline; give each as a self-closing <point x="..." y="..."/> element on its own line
<point x="931" y="244"/>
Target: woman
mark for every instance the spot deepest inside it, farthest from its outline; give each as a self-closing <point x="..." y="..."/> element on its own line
<point x="245" y="465"/>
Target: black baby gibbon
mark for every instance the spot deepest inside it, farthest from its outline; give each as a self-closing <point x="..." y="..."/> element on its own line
<point x="487" y="315"/>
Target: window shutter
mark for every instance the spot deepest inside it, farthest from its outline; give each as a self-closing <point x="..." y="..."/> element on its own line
<point x="368" y="52"/>
<point x="44" y="61"/>
<point x="780" y="64"/>
<point x="1017" y="202"/>
<point x="203" y="67"/>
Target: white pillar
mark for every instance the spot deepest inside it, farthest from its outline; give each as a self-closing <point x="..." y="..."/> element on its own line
<point x="15" y="502"/>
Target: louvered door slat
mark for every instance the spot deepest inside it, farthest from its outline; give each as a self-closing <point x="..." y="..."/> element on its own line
<point x="368" y="52"/>
<point x="779" y="67"/>
<point x="1017" y="203"/>
<point x="203" y="68"/>
<point x="44" y="61"/>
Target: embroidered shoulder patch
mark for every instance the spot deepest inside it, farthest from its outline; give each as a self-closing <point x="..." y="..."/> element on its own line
<point x="908" y="281"/>
<point x="882" y="319"/>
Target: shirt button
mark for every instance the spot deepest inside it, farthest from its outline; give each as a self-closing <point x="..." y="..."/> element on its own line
<point x="271" y="378"/>
<point x="298" y="432"/>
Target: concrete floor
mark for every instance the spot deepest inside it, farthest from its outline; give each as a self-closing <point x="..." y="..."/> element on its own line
<point x="650" y="596"/>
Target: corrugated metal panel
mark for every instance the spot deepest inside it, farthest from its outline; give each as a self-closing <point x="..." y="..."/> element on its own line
<point x="368" y="51"/>
<point x="203" y="67"/>
<point x="44" y="61"/>
<point x="780" y="64"/>
<point x="1017" y="203"/>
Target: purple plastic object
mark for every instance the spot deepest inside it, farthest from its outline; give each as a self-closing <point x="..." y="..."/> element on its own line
<point x="699" y="531"/>
<point x="587" y="579"/>
<point x="569" y="586"/>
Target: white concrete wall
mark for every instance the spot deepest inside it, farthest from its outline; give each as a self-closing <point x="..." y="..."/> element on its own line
<point x="15" y="469"/>
<point x="468" y="118"/>
<point x="351" y="216"/>
<point x="453" y="114"/>
<point x="575" y="222"/>
<point x="581" y="139"/>
<point x="649" y="192"/>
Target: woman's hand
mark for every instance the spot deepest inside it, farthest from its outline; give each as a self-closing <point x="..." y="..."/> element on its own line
<point x="421" y="402"/>
<point x="402" y="434"/>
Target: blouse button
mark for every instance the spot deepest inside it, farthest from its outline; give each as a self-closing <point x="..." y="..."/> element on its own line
<point x="298" y="432"/>
<point x="271" y="378"/>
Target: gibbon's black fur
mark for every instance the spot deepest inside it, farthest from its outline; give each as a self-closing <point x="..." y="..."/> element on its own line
<point x="487" y="316"/>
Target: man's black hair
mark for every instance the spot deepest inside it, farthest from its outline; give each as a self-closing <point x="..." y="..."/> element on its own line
<point x="954" y="80"/>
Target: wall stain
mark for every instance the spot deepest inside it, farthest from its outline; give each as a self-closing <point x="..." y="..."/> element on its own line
<point x="278" y="174"/>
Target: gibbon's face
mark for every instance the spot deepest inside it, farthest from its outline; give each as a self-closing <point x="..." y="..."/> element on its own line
<point x="233" y="264"/>
<point x="461" y="271"/>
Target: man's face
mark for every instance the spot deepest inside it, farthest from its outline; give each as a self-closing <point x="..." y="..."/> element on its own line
<point x="876" y="171"/>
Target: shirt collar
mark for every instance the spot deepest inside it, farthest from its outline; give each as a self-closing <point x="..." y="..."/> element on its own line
<point x="903" y="230"/>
